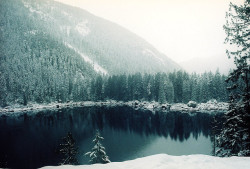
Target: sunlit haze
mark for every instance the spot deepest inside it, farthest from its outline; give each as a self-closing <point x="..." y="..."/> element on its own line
<point x="181" y="29"/>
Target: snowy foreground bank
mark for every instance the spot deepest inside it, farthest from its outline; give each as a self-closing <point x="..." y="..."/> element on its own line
<point x="209" y="107"/>
<point x="163" y="161"/>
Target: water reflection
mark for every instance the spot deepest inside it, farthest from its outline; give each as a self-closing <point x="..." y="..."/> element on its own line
<point x="30" y="141"/>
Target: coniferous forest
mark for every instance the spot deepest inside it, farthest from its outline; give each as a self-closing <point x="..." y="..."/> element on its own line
<point x="174" y="87"/>
<point x="67" y="73"/>
<point x="36" y="66"/>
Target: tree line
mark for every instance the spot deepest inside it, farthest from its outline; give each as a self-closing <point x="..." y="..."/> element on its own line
<point x="174" y="87"/>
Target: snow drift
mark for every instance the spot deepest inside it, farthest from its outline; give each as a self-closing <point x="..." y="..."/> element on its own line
<point x="163" y="161"/>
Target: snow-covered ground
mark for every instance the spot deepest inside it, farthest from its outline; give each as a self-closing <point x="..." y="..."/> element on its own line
<point x="209" y="107"/>
<point x="163" y="161"/>
<point x="148" y="52"/>
<point x="82" y="28"/>
<point x="36" y="10"/>
<point x="96" y="66"/>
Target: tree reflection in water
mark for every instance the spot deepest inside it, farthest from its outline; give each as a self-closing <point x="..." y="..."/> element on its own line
<point x="30" y="140"/>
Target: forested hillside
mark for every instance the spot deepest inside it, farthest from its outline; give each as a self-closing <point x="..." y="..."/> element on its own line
<point x="50" y="51"/>
<point x="33" y="65"/>
<point x="107" y="46"/>
<point x="53" y="52"/>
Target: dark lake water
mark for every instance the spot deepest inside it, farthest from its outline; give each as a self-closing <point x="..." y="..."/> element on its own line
<point x="31" y="140"/>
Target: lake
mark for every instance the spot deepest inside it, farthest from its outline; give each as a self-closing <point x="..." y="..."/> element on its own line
<point x="32" y="139"/>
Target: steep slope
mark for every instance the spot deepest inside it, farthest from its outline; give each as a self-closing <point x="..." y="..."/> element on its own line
<point x="50" y="51"/>
<point x="109" y="47"/>
<point x="35" y="66"/>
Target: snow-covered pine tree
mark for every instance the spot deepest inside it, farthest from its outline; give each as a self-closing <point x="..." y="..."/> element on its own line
<point x="162" y="93"/>
<point x="169" y="91"/>
<point x="235" y="137"/>
<point x="215" y="130"/>
<point x="98" y="154"/>
<point x="69" y="150"/>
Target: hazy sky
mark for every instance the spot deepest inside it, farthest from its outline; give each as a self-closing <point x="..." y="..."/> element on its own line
<point x="182" y="29"/>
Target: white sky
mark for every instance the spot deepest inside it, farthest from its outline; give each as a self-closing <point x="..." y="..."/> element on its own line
<point x="181" y="29"/>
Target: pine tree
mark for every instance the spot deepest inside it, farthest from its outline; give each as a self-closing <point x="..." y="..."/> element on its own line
<point x="98" y="154"/>
<point x="162" y="93"/>
<point x="235" y="136"/>
<point x="169" y="91"/>
<point x="186" y="90"/>
<point x="69" y="150"/>
<point x="214" y="132"/>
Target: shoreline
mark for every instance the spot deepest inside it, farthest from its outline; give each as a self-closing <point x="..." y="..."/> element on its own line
<point x="208" y="107"/>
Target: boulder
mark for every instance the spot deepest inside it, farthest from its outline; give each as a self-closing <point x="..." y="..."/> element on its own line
<point x="165" y="107"/>
<point x="192" y="104"/>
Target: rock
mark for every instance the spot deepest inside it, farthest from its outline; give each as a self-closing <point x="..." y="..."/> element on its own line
<point x="165" y="107"/>
<point x="212" y="101"/>
<point x="136" y="103"/>
<point x="192" y="104"/>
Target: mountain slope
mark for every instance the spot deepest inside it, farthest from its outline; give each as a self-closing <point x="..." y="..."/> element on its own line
<point x="35" y="66"/>
<point x="50" y="52"/>
<point x="109" y="47"/>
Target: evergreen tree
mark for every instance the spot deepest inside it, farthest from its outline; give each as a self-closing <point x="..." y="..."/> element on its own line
<point x="186" y="90"/>
<point x="122" y="88"/>
<point x="204" y="88"/>
<point x="157" y="86"/>
<point x="69" y="150"/>
<point x="99" y="88"/>
<point x="98" y="154"/>
<point x="235" y="136"/>
<point x="218" y="88"/>
<point x="162" y="94"/>
<point x="215" y="130"/>
<point x="169" y="91"/>
<point x="93" y="90"/>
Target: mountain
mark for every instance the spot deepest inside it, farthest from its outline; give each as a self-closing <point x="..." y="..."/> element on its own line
<point x="108" y="47"/>
<point x="50" y="51"/>
<point x="200" y="65"/>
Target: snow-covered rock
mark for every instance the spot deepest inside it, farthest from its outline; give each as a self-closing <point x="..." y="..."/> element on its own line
<point x="209" y="107"/>
<point x="192" y="104"/>
<point x="164" y="161"/>
<point x="82" y="28"/>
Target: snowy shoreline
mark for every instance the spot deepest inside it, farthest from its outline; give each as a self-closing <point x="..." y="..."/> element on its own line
<point x="209" y="107"/>
<point x="164" y="161"/>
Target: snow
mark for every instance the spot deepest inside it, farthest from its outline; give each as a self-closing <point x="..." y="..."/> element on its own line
<point x="29" y="7"/>
<point x="66" y="29"/>
<point x="164" y="161"/>
<point x="66" y="14"/>
<point x="150" y="53"/>
<point x="82" y="28"/>
<point x="209" y="107"/>
<point x="96" y="66"/>
<point x="32" y="32"/>
<point x="151" y="106"/>
<point x="33" y="10"/>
